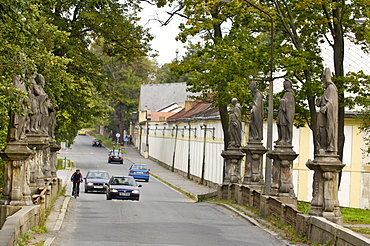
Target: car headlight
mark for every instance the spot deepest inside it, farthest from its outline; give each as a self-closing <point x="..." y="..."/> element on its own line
<point x="90" y="184"/>
<point x="113" y="190"/>
<point x="135" y="192"/>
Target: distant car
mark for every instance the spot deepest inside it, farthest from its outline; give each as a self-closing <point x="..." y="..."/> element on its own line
<point x="97" y="142"/>
<point x="122" y="187"/>
<point x="115" y="156"/>
<point x="95" y="180"/>
<point x="139" y="171"/>
<point x="82" y="132"/>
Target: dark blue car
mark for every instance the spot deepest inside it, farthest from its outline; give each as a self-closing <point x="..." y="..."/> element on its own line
<point x="123" y="188"/>
<point x="139" y="171"/>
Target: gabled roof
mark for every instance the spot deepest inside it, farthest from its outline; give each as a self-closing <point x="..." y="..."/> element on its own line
<point x="198" y="109"/>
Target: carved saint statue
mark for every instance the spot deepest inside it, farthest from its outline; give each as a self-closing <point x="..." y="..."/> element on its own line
<point x="19" y="121"/>
<point x="327" y="120"/>
<point x="285" y="116"/>
<point x="256" y="118"/>
<point x="39" y="104"/>
<point x="235" y="125"/>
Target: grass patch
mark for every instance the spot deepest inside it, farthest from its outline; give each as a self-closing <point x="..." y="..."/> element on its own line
<point x="350" y="215"/>
<point x="25" y="240"/>
<point x="359" y="230"/>
<point x="356" y="215"/>
<point x="64" y="164"/>
<point x="288" y="232"/>
<point x="303" y="207"/>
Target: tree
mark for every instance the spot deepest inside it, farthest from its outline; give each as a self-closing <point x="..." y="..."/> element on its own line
<point x="108" y="23"/>
<point x="220" y="65"/>
<point x="326" y="21"/>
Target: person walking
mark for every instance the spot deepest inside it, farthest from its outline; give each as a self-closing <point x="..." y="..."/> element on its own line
<point x="76" y="179"/>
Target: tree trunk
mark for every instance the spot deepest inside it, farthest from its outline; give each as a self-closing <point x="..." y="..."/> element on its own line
<point x="223" y="108"/>
<point x="339" y="72"/>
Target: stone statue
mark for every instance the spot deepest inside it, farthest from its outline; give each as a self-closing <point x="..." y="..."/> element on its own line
<point x="34" y="91"/>
<point x="285" y="116"/>
<point x="235" y="125"/>
<point x="256" y="119"/>
<point x="19" y="121"/>
<point x="327" y="120"/>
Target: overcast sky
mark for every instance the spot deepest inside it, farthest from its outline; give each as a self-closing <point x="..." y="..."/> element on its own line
<point x="164" y="36"/>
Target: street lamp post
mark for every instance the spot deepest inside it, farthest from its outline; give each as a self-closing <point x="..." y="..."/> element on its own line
<point x="268" y="170"/>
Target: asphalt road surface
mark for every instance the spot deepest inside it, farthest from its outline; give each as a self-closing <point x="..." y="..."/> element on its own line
<point x="163" y="216"/>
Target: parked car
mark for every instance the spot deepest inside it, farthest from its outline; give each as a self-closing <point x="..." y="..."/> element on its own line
<point x="95" y="180"/>
<point x="122" y="187"/>
<point x="81" y="132"/>
<point x="115" y="156"/>
<point x="97" y="142"/>
<point x="139" y="171"/>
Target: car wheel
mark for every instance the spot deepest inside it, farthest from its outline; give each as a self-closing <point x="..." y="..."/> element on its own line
<point x="108" y="197"/>
<point x="109" y="161"/>
<point x="147" y="180"/>
<point x="86" y="191"/>
<point x="121" y="162"/>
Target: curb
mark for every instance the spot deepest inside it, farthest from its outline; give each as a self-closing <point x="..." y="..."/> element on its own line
<point x="63" y="210"/>
<point x="59" y="221"/>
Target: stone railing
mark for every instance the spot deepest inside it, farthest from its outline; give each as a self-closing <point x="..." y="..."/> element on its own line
<point x="17" y="220"/>
<point x="316" y="229"/>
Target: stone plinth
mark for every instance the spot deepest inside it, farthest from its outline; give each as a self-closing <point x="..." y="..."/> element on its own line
<point x="16" y="179"/>
<point x="38" y="141"/>
<point x="54" y="148"/>
<point x="282" y="169"/>
<point x="325" y="187"/>
<point x="253" y="165"/>
<point x="233" y="158"/>
<point x="40" y="164"/>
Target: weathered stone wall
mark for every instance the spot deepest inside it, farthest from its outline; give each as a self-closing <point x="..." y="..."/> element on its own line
<point x="316" y="229"/>
<point x="26" y="217"/>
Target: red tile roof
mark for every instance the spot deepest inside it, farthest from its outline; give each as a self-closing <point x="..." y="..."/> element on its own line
<point x="198" y="109"/>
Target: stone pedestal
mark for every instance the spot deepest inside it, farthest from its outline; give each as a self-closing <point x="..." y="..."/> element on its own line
<point x="16" y="190"/>
<point x="325" y="187"/>
<point x="233" y="158"/>
<point x="40" y="163"/>
<point x="54" y="148"/>
<point x="282" y="184"/>
<point x="253" y="175"/>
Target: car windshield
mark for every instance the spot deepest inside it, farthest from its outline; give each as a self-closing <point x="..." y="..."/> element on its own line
<point x="141" y="167"/>
<point x="97" y="175"/>
<point x="115" y="152"/>
<point x="123" y="181"/>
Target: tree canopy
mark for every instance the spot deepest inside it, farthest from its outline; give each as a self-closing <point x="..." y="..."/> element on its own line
<point x="56" y="38"/>
<point x="233" y="49"/>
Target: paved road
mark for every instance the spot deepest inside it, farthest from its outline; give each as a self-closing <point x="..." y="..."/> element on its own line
<point x="163" y="216"/>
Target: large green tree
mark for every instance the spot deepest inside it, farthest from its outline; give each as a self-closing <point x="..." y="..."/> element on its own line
<point x="300" y="28"/>
<point x="220" y="65"/>
<point x="54" y="38"/>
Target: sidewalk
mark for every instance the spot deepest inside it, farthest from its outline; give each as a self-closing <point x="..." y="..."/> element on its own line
<point x="56" y="217"/>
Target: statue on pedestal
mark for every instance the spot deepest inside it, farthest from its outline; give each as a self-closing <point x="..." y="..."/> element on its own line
<point x="256" y="119"/>
<point x="18" y="124"/>
<point x="235" y="125"/>
<point x="285" y="116"/>
<point x="327" y="119"/>
<point x="326" y="164"/>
